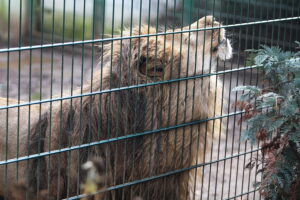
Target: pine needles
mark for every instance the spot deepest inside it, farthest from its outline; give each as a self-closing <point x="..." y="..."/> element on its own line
<point x="273" y="118"/>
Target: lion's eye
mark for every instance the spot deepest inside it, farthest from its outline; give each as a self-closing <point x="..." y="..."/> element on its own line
<point x="221" y="42"/>
<point x="155" y="71"/>
<point x="159" y="69"/>
<point x="142" y="60"/>
<point x="215" y="48"/>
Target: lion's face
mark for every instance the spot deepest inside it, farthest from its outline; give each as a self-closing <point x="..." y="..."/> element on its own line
<point x="166" y="57"/>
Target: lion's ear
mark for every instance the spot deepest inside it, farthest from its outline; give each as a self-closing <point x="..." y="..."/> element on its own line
<point x="151" y="68"/>
<point x="214" y="36"/>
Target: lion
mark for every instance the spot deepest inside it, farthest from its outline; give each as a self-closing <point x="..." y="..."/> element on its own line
<point x="144" y="113"/>
<point x="13" y="133"/>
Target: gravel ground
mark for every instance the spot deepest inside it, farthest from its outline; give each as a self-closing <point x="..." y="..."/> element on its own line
<point x="222" y="180"/>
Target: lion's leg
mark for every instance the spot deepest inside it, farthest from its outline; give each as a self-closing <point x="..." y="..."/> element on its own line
<point x="215" y="106"/>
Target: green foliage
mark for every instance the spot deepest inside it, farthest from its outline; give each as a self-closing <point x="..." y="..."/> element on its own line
<point x="250" y="55"/>
<point x="273" y="118"/>
<point x="36" y="96"/>
<point x="69" y="28"/>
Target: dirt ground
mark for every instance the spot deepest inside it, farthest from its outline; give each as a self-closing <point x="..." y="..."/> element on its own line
<point x="51" y="75"/>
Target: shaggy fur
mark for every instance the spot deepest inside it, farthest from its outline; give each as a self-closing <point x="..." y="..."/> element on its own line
<point x="114" y="114"/>
<point x="13" y="133"/>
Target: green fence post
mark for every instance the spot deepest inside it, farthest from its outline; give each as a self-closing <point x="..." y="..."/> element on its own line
<point x="31" y="4"/>
<point x="187" y="9"/>
<point x="99" y="19"/>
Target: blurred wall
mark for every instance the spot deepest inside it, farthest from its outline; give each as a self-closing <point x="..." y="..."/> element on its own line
<point x="134" y="11"/>
<point x="14" y="11"/>
<point x="131" y="10"/>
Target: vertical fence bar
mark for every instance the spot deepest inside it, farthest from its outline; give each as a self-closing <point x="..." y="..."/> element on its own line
<point x="29" y="91"/>
<point x="214" y="107"/>
<point x="51" y="96"/>
<point x="205" y="136"/>
<point x="19" y="87"/>
<point x="7" y="95"/>
<point x="147" y="65"/>
<point x="61" y="94"/>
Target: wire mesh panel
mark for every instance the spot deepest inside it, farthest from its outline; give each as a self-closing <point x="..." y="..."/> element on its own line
<point x="131" y="99"/>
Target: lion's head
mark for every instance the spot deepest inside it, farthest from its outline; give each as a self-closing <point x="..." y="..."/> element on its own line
<point x="168" y="56"/>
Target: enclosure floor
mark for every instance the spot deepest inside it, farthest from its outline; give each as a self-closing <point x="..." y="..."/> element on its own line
<point x="222" y="180"/>
<point x="229" y="178"/>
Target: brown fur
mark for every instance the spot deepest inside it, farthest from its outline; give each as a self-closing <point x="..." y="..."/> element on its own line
<point x="135" y="110"/>
<point x="13" y="133"/>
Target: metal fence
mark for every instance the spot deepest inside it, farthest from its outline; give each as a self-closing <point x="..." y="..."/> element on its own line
<point x="71" y="93"/>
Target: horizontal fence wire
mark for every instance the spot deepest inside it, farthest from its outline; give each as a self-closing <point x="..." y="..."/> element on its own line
<point x="242" y="194"/>
<point x="167" y="174"/>
<point x="129" y="136"/>
<point x="129" y="87"/>
<point x="6" y="50"/>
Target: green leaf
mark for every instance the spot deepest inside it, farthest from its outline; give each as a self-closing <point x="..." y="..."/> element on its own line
<point x="295" y="138"/>
<point x="252" y="50"/>
<point x="268" y="99"/>
<point x="247" y="88"/>
<point x="276" y="124"/>
<point x="250" y="135"/>
<point x="289" y="108"/>
<point x="256" y="184"/>
<point x="297" y="82"/>
<point x="259" y="59"/>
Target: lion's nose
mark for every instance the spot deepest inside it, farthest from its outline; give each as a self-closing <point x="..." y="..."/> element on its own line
<point x="221" y="43"/>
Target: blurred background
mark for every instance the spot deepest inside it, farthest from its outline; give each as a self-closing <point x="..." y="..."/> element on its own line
<point x="30" y="20"/>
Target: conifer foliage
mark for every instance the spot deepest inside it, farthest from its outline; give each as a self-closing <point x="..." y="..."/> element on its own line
<point x="272" y="115"/>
